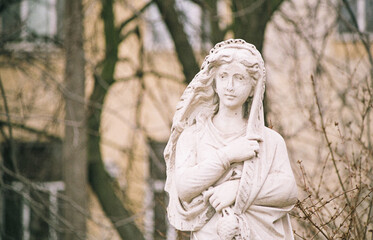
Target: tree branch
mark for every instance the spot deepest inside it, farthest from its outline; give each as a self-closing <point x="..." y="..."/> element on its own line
<point x="11" y="142"/>
<point x="98" y="178"/>
<point x="182" y="46"/>
<point x="133" y="17"/>
<point x="31" y="130"/>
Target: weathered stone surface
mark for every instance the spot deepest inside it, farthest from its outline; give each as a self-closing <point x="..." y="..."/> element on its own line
<point x="228" y="176"/>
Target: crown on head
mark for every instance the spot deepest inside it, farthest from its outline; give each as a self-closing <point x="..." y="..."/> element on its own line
<point x="234" y="43"/>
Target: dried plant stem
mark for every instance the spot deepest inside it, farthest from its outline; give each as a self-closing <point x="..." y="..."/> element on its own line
<point x="308" y="217"/>
<point x="329" y="144"/>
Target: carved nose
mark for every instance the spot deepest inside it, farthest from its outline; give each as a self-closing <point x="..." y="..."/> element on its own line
<point x="229" y="85"/>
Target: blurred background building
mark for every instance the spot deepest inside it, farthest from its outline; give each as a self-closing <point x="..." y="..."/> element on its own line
<point x="138" y="58"/>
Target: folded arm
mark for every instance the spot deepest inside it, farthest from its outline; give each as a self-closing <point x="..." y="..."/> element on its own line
<point x="192" y="176"/>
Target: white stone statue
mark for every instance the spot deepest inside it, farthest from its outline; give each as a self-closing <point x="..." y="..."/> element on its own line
<point x="228" y="176"/>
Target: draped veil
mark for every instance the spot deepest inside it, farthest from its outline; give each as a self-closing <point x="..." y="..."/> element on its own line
<point x="199" y="101"/>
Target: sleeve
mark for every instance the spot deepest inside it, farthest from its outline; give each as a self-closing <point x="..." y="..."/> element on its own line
<point x="193" y="175"/>
<point x="279" y="189"/>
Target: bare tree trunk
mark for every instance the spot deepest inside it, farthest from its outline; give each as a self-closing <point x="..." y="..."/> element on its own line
<point x="99" y="180"/>
<point x="250" y="18"/>
<point x="74" y="148"/>
<point x="182" y="46"/>
<point x="217" y="34"/>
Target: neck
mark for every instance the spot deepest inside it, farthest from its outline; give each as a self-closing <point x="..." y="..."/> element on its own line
<point x="229" y="120"/>
<point x="225" y="112"/>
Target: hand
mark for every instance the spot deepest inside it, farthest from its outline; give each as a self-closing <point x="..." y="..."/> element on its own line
<point x="223" y="195"/>
<point x="242" y="149"/>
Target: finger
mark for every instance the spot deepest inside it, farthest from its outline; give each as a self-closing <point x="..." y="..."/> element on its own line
<point x="215" y="203"/>
<point x="213" y="199"/>
<point x="212" y="203"/>
<point x="254" y="137"/>
<point x="256" y="148"/>
<point x="256" y="153"/>
<point x="208" y="194"/>
<point x="220" y="207"/>
<point x="217" y="207"/>
<point x="253" y="144"/>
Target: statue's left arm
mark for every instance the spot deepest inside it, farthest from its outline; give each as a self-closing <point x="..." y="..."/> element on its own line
<point x="279" y="188"/>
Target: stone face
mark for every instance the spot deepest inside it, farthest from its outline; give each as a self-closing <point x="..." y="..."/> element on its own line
<point x="228" y="176"/>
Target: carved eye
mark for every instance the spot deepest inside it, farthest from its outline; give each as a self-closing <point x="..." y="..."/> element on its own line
<point x="223" y="75"/>
<point x="239" y="78"/>
<point x="256" y="67"/>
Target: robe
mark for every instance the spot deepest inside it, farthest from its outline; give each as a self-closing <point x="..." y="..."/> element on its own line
<point x="199" y="166"/>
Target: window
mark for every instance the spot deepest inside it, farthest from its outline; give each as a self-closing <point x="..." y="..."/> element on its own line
<point x="32" y="21"/>
<point x="363" y="15"/>
<point x="157" y="226"/>
<point x="31" y="212"/>
<point x="30" y="209"/>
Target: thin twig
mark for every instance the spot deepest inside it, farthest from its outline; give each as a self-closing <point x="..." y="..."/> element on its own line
<point x="329" y="144"/>
<point x="307" y="216"/>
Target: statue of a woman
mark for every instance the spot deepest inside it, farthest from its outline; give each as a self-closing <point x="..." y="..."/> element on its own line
<point x="228" y="176"/>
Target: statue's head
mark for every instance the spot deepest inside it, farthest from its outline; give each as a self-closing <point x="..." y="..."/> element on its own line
<point x="232" y="70"/>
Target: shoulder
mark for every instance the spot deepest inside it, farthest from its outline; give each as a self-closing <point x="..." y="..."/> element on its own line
<point x="273" y="137"/>
<point x="276" y="146"/>
<point x="187" y="135"/>
<point x="189" y="130"/>
<point x="195" y="129"/>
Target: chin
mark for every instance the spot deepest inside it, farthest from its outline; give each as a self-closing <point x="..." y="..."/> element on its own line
<point x="232" y="103"/>
<point x="233" y="106"/>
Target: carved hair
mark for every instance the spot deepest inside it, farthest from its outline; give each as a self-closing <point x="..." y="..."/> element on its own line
<point x="199" y="99"/>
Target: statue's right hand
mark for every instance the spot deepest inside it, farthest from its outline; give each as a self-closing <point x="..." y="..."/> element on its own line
<point x="241" y="149"/>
